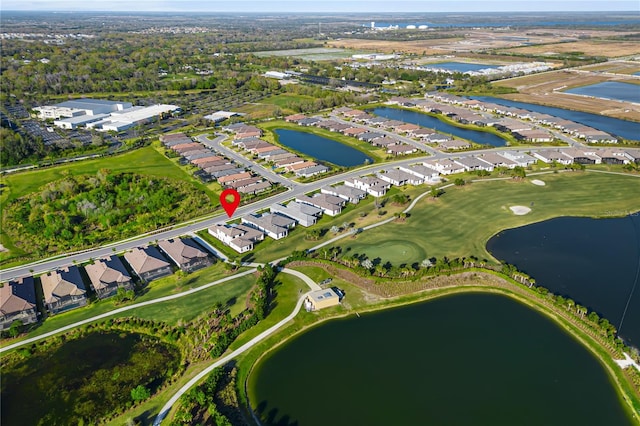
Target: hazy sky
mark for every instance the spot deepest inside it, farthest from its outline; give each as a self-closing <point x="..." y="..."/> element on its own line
<point x="364" y="6"/>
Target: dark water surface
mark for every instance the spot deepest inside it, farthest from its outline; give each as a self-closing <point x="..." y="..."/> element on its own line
<point x="322" y="148"/>
<point x="433" y="123"/>
<point x="471" y="359"/>
<point x="593" y="261"/>
<point x="610" y="90"/>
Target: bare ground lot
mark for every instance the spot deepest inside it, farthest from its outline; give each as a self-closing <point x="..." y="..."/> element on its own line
<point x="427" y="47"/>
<point x="546" y="89"/>
<point x="607" y="48"/>
<point x="614" y="67"/>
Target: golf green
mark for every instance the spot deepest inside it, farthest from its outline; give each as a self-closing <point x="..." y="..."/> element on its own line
<point x="395" y="251"/>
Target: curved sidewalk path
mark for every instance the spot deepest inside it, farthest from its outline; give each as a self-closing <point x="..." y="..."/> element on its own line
<point x="251" y="343"/>
<point x="125" y="309"/>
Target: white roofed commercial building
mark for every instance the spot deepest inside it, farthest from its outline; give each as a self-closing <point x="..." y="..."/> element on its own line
<point x="79" y="107"/>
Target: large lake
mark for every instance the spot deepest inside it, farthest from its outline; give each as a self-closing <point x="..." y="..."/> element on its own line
<point x="623" y="128"/>
<point x="593" y="261"/>
<point x="322" y="148"/>
<point x="458" y="66"/>
<point x="470" y="359"/>
<point x="432" y="122"/>
<point x="610" y="90"/>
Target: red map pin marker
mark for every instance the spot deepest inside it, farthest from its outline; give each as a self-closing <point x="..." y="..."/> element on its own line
<point x="230" y="206"/>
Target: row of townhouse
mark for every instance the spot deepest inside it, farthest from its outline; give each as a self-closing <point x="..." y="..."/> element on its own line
<point x="213" y="166"/>
<point x="280" y="158"/>
<point x="391" y="145"/>
<point x="579" y="130"/>
<point x="487" y="161"/>
<point x="304" y="210"/>
<point x="65" y="288"/>
<point x="588" y="156"/>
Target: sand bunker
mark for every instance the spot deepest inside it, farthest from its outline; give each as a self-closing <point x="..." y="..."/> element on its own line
<point x="538" y="182"/>
<point x="520" y="210"/>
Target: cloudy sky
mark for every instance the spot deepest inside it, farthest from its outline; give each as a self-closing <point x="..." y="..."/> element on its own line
<point x="365" y="6"/>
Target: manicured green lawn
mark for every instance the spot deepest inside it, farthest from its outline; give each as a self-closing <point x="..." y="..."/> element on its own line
<point x="461" y="221"/>
<point x="232" y="294"/>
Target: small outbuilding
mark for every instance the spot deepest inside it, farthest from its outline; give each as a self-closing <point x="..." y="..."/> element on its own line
<point x="320" y="299"/>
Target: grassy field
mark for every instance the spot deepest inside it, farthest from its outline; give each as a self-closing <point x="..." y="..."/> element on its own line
<point x="455" y="226"/>
<point x="158" y="288"/>
<point x="146" y="161"/>
<point x="607" y="48"/>
<point x="425" y="47"/>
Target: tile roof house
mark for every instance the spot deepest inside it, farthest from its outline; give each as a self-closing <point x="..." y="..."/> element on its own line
<point x="186" y="253"/>
<point x="107" y="276"/>
<point x="304" y="214"/>
<point x="373" y="186"/>
<point x="329" y="204"/>
<point x="274" y="225"/>
<point x="63" y="289"/>
<point x="399" y="178"/>
<point x="239" y="237"/>
<point x="351" y="194"/>
<point x="148" y="263"/>
<point x="18" y="302"/>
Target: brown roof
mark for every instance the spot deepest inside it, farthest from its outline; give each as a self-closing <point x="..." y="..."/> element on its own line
<point x="182" y="250"/>
<point x="234" y="177"/>
<point x="184" y="147"/>
<point x="265" y="149"/>
<point x="107" y="271"/>
<point x="301" y="166"/>
<point x="145" y="259"/>
<point x="206" y="159"/>
<point x="354" y="131"/>
<point x="61" y="283"/>
<point x="17" y="296"/>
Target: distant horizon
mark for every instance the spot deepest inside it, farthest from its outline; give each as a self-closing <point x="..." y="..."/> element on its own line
<point x="330" y="6"/>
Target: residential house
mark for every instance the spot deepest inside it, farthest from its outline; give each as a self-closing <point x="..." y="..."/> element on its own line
<point x="520" y="158"/>
<point x="420" y="171"/>
<point x="244" y="182"/>
<point x="300" y="166"/>
<point x="455" y="144"/>
<point x="471" y="163"/>
<point x="400" y="178"/>
<point x="304" y="214"/>
<point x="289" y="161"/>
<point x="63" y="289"/>
<point x="312" y="171"/>
<point x="444" y="166"/>
<point x="369" y="136"/>
<point x="148" y="263"/>
<point x="273" y="224"/>
<point x="107" y="275"/>
<point x="354" y="131"/>
<point x="351" y="194"/>
<point x="225" y="180"/>
<point x="497" y="160"/>
<point x="371" y="185"/>
<point x="186" y="253"/>
<point x="254" y="188"/>
<point x="580" y="156"/>
<point x="401" y="149"/>
<point x="613" y="156"/>
<point x="550" y="156"/>
<point x="18" y="302"/>
<point x="239" y="237"/>
<point x="534" y="135"/>
<point x="294" y="118"/>
<point x="330" y="204"/>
